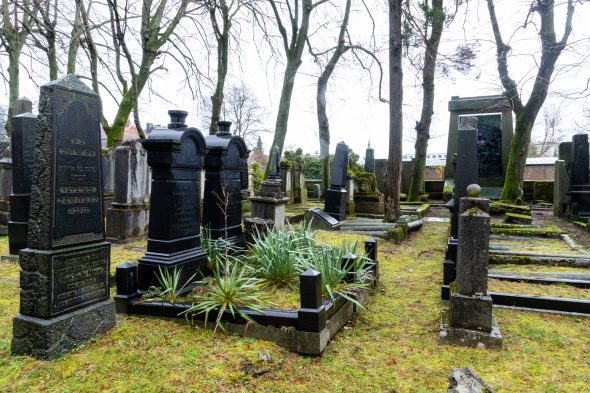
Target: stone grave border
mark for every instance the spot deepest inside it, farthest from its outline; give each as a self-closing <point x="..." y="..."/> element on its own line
<point x="307" y="330"/>
<point x="541" y="303"/>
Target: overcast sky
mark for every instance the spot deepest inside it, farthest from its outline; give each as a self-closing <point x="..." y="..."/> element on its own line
<point x="356" y="116"/>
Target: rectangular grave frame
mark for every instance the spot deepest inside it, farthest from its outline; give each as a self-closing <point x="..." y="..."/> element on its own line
<point x="281" y="326"/>
<point x="534" y="302"/>
<point x="75" y="239"/>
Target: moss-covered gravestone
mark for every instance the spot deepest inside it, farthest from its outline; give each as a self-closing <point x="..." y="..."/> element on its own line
<point x="64" y="279"/>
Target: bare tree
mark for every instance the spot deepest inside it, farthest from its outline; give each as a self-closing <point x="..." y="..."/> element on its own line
<point x="526" y="113"/>
<point x="293" y="36"/>
<point x="14" y="29"/>
<point x="550" y="134"/>
<point x="156" y="39"/>
<point x="394" y="159"/>
<point x="334" y="54"/>
<point x="430" y="30"/>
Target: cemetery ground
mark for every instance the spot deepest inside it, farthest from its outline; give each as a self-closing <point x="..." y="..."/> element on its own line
<point x="392" y="346"/>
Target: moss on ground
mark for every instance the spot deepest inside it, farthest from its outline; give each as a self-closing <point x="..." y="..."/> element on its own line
<point x="540" y="268"/>
<point x="559" y="290"/>
<point x="536" y="244"/>
<point x="391" y="347"/>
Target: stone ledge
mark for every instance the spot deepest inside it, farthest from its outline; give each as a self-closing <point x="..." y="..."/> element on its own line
<point x="51" y="338"/>
<point x="470" y="338"/>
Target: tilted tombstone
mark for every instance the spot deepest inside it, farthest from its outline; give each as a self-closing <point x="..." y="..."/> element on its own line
<point x="222" y="210"/>
<point x="23" y="147"/>
<point x="175" y="155"/>
<point x="336" y="196"/>
<point x="128" y="215"/>
<point x="64" y="278"/>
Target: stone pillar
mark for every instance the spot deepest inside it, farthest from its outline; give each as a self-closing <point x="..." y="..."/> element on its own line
<point x="336" y="195"/>
<point x="561" y="187"/>
<point x="471" y="322"/>
<point x="175" y="155"/>
<point x="108" y="170"/>
<point x="370" y="159"/>
<point x="64" y="277"/>
<point x="5" y="191"/>
<point x="128" y="215"/>
<point x="23" y="146"/>
<point x="286" y="182"/>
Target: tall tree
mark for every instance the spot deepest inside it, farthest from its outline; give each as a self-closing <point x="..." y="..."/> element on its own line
<point x="157" y="40"/>
<point x="394" y="159"/>
<point x="221" y="14"/>
<point x="299" y="13"/>
<point x="526" y="113"/>
<point x="335" y="54"/>
<point x="16" y="25"/>
<point x="433" y="24"/>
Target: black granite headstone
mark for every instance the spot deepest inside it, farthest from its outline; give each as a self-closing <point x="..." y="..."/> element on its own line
<point x="336" y="195"/>
<point x="579" y="160"/>
<point x="466" y="171"/>
<point x="175" y="155"/>
<point x="274" y="164"/>
<point x="23" y="147"/>
<point x="64" y="275"/>
<point x="222" y="210"/>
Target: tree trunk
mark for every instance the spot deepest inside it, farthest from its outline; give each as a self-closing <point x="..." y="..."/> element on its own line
<point x="13" y="85"/>
<point x="52" y="56"/>
<point x="394" y="159"/>
<point x="74" y="41"/>
<point x="284" y="106"/>
<point x="423" y="126"/>
<point x="324" y="132"/>
<point x="222" y="65"/>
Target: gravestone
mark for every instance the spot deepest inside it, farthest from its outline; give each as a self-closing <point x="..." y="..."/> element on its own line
<point x="579" y="179"/>
<point x="269" y="201"/>
<point x="222" y="213"/>
<point x="108" y="176"/>
<point x="370" y="159"/>
<point x="335" y="196"/>
<point x="464" y="380"/>
<point x="64" y="278"/>
<point x="128" y="215"/>
<point x="470" y="320"/>
<point x="319" y="219"/>
<point x="286" y="182"/>
<point x="23" y="147"/>
<point x="466" y="171"/>
<point x="495" y="130"/>
<point x="175" y="155"/>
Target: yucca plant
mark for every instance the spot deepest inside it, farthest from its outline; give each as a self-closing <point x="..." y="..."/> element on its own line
<point x="233" y="290"/>
<point x="328" y="261"/>
<point x="170" y="283"/>
<point x="217" y="250"/>
<point x="274" y="258"/>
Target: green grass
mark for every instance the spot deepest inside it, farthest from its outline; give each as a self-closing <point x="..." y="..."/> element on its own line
<point x="391" y="347"/>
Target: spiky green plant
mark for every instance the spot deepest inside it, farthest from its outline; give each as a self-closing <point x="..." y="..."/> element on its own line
<point x="274" y="257"/>
<point x="170" y="283"/>
<point x="328" y="261"/>
<point x="233" y="290"/>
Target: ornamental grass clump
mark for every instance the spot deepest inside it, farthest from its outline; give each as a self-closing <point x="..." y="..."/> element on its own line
<point x="274" y="258"/>
<point x="233" y="289"/>
<point x="170" y="283"/>
<point x="335" y="274"/>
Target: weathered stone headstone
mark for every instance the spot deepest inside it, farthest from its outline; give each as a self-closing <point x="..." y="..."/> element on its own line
<point x="269" y="202"/>
<point x="175" y="155"/>
<point x="470" y="309"/>
<point x="108" y="176"/>
<point x="561" y="187"/>
<point x="23" y="146"/>
<point x="335" y="202"/>
<point x="64" y="277"/>
<point x="128" y="215"/>
<point x="370" y="159"/>
<point x="222" y="213"/>
<point x="286" y="182"/>
<point x="23" y="105"/>
<point x="463" y="380"/>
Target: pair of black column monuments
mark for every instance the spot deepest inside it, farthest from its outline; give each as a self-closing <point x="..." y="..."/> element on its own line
<point x="65" y="268"/>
